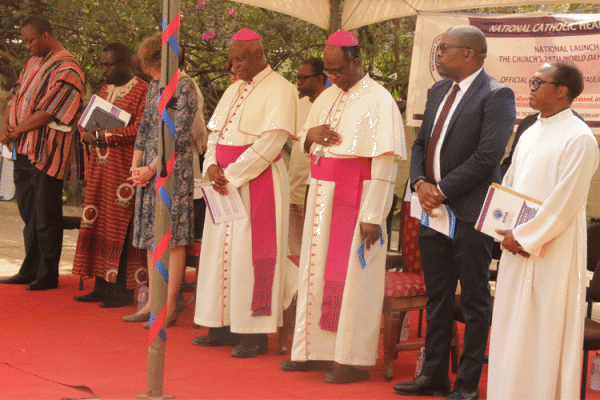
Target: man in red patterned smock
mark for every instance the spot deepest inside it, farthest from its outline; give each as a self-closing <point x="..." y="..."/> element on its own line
<point x="104" y="247"/>
<point x="39" y="121"/>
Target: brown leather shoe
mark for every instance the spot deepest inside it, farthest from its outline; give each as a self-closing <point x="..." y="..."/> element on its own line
<point x="305" y="366"/>
<point x="346" y="374"/>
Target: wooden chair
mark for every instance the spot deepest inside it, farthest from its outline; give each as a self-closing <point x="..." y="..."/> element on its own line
<point x="405" y="292"/>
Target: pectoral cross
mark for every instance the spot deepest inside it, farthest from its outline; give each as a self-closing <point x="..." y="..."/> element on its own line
<point x="319" y="152"/>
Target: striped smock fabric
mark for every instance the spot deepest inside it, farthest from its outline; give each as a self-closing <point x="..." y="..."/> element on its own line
<point x="54" y="84"/>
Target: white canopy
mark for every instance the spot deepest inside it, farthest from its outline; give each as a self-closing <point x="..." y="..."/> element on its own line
<point x="356" y="13"/>
<point x="314" y="11"/>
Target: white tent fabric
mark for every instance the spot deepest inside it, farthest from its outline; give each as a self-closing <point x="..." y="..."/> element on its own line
<point x="313" y="11"/>
<point x="358" y="13"/>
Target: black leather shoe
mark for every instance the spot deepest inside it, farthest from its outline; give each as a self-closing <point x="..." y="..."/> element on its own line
<point x="18" y="279"/>
<point x="346" y="374"/>
<point x="91" y="297"/>
<point x="463" y="394"/>
<point x="423" y="386"/>
<point x="41" y="285"/>
<point x="216" y="341"/>
<point x="249" y="351"/>
<point x="304" y="366"/>
<point x="116" y="301"/>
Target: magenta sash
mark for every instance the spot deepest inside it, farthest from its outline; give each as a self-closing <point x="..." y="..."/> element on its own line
<point x="348" y="175"/>
<point x="264" y="229"/>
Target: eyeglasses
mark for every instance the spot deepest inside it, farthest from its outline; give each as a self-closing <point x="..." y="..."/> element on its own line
<point x="442" y="48"/>
<point x="109" y="64"/>
<point x="302" y="78"/>
<point x="334" y="72"/>
<point x="536" y="83"/>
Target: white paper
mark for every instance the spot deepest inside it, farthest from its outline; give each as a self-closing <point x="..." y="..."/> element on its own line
<point x="224" y="208"/>
<point x="504" y="209"/>
<point x="7" y="153"/>
<point x="198" y="184"/>
<point x="366" y="255"/>
<point x="444" y="221"/>
<point x="98" y="102"/>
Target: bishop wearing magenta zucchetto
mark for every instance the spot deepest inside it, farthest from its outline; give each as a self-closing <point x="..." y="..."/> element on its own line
<point x="241" y="280"/>
<point x="355" y="136"/>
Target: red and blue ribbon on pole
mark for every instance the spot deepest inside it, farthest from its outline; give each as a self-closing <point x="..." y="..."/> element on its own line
<point x="168" y="37"/>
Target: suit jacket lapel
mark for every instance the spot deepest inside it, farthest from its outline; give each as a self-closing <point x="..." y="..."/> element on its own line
<point x="474" y="88"/>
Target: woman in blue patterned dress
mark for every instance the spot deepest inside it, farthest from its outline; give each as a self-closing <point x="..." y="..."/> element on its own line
<point x="143" y="174"/>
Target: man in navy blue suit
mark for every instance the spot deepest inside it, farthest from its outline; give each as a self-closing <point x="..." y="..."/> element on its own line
<point x="468" y="120"/>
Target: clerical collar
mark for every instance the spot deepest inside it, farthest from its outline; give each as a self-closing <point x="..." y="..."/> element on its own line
<point x="559" y="116"/>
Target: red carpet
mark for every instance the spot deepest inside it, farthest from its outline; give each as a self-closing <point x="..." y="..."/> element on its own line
<point x="56" y="348"/>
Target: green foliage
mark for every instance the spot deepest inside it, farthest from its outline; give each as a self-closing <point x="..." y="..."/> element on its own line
<point x="86" y="26"/>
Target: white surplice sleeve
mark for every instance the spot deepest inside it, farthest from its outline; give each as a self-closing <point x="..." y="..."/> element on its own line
<point x="210" y="157"/>
<point x="256" y="158"/>
<point x="378" y="192"/>
<point x="577" y="166"/>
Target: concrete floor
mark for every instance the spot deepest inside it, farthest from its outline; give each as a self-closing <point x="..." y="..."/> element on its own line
<point x="11" y="240"/>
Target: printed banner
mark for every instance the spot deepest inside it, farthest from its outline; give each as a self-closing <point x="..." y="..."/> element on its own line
<point x="517" y="47"/>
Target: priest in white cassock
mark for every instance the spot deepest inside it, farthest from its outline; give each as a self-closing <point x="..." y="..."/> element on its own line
<point x="241" y="280"/>
<point x="355" y="134"/>
<point x="538" y="317"/>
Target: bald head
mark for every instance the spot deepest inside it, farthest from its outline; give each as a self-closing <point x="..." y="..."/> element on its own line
<point x="471" y="37"/>
<point x="247" y="58"/>
<point x="461" y="52"/>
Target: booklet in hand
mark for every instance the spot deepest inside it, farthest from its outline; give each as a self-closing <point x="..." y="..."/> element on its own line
<point x="9" y="153"/>
<point x="443" y="222"/>
<point x="504" y="209"/>
<point x="224" y="208"/>
<point x="103" y="113"/>
<point x="366" y="255"/>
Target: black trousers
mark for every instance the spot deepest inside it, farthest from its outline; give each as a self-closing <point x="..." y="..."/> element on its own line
<point x="467" y="258"/>
<point x="39" y="198"/>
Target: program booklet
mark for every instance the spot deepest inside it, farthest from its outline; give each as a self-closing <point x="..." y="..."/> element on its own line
<point x="9" y="153"/>
<point x="366" y="255"/>
<point x="444" y="221"/>
<point x="505" y="208"/>
<point x="224" y="208"/>
<point x="103" y="113"/>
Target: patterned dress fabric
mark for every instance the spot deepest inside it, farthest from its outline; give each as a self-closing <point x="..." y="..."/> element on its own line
<point x="182" y="197"/>
<point x="109" y="197"/>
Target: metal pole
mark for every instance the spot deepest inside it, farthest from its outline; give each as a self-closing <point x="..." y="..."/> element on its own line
<point x="162" y="221"/>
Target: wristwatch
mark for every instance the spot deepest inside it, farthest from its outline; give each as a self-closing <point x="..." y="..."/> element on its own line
<point x="417" y="183"/>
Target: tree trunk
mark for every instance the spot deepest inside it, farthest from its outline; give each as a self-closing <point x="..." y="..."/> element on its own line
<point x="334" y="16"/>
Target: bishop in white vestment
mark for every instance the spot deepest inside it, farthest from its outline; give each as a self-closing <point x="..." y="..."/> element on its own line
<point x="351" y="188"/>
<point x="241" y="280"/>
